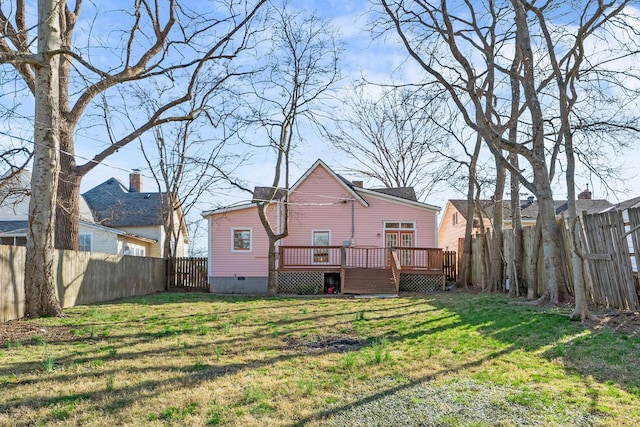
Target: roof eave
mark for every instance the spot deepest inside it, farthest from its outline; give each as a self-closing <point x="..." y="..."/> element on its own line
<point x="400" y="200"/>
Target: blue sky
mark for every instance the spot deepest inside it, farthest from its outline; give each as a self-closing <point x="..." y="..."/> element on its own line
<point x="378" y="60"/>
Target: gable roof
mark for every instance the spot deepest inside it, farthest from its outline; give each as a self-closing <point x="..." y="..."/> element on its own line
<point x="20" y="228"/>
<point x="14" y="227"/>
<point x="114" y="205"/>
<point x="627" y="204"/>
<point x="15" y="194"/>
<point x="348" y="186"/>
<point x="403" y="195"/>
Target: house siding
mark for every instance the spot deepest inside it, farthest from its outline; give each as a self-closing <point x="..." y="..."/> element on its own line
<point x="322" y="203"/>
<point x="101" y="240"/>
<point x="226" y="263"/>
<point x="448" y="233"/>
<point x="318" y="202"/>
<point x="152" y="232"/>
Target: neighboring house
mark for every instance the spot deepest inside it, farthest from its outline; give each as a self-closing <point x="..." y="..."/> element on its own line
<point x="340" y="239"/>
<point x="454" y="218"/>
<point x="93" y="236"/>
<point x="136" y="212"/>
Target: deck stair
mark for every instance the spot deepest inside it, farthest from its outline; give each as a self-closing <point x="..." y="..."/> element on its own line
<point x="368" y="281"/>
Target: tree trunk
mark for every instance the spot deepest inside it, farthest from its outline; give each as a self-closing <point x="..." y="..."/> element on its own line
<point x="532" y="289"/>
<point x="465" y="273"/>
<point x="550" y="250"/>
<point x="581" y="309"/>
<point x="41" y="293"/>
<point x="546" y="208"/>
<point x="272" y="279"/>
<point x="67" y="234"/>
<point x="497" y="240"/>
<point x="516" y="269"/>
<point x="68" y="206"/>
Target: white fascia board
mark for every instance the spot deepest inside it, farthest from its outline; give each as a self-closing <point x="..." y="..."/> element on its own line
<point x="207" y="214"/>
<point x="117" y="231"/>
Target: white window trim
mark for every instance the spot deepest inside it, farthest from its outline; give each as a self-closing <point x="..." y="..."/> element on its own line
<point x="242" y="251"/>
<point x="414" y="230"/>
<point x="90" y="243"/>
<point x="320" y="231"/>
<point x="384" y="225"/>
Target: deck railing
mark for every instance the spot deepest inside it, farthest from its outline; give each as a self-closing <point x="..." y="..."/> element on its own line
<point x="318" y="257"/>
<point x="310" y="256"/>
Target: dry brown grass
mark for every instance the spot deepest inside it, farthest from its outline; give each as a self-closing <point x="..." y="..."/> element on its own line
<point x="177" y="359"/>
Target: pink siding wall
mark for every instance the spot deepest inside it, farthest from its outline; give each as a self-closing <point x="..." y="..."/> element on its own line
<point x="226" y="263"/>
<point x="317" y="205"/>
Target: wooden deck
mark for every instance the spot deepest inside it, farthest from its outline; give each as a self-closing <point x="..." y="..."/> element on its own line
<point x="425" y="260"/>
<point x="363" y="270"/>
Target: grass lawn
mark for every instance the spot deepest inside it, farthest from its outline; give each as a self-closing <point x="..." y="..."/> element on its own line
<point x="442" y="359"/>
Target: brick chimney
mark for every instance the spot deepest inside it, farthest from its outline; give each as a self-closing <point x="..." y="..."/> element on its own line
<point x="585" y="195"/>
<point x="135" y="181"/>
<point x="358" y="184"/>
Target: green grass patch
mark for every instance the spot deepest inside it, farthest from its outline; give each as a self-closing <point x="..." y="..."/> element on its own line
<point x="200" y="359"/>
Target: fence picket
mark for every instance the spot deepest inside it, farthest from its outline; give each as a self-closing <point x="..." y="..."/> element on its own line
<point x="187" y="274"/>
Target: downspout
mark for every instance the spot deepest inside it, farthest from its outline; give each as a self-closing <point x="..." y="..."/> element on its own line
<point x="353" y="223"/>
<point x="279" y="228"/>
<point x="209" y="248"/>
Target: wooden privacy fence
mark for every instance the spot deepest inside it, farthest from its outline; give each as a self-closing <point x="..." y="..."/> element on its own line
<point x="610" y="270"/>
<point x="188" y="274"/>
<point x="81" y="278"/>
<point x="449" y="265"/>
<point x="607" y="252"/>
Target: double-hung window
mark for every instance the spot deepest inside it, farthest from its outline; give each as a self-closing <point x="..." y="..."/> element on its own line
<point x="85" y="242"/>
<point x="241" y="239"/>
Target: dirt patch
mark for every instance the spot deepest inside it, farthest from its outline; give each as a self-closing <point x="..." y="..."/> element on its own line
<point x="24" y="332"/>
<point x="627" y="322"/>
<point x="324" y="344"/>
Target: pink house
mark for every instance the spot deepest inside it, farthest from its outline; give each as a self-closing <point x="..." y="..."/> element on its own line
<point x="342" y="238"/>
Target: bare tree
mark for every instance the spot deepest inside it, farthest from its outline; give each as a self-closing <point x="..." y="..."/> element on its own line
<point x="187" y="163"/>
<point x="393" y="138"/>
<point x="300" y="69"/>
<point x="468" y="48"/>
<point x="168" y="43"/>
<point x="568" y="66"/>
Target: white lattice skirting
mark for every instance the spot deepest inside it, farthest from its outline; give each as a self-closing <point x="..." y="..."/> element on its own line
<point x="312" y="282"/>
<point x="421" y="282"/>
<point x="300" y="282"/>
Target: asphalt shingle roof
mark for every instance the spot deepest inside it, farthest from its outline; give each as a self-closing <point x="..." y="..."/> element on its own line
<point x="403" y="192"/>
<point x="114" y="206"/>
<point x="7" y="227"/>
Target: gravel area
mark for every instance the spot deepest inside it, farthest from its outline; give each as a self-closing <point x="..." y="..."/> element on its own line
<point x="459" y="403"/>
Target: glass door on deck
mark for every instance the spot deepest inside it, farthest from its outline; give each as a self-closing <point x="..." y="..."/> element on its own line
<point x="406" y="256"/>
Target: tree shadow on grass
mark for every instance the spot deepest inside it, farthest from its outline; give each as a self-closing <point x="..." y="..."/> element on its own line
<point x="604" y="355"/>
<point x="319" y="416"/>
